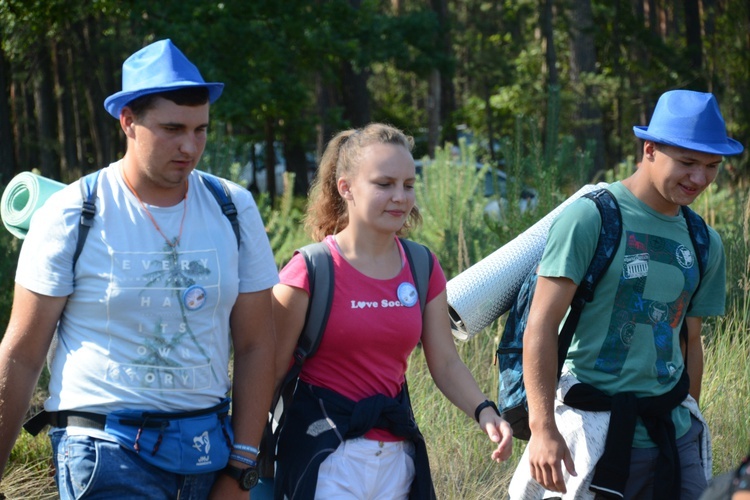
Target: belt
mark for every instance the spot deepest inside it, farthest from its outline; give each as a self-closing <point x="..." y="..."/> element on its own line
<point x="77" y="419"/>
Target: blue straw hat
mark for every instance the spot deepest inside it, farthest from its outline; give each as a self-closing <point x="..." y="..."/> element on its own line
<point x="690" y="120"/>
<point x="158" y="67"/>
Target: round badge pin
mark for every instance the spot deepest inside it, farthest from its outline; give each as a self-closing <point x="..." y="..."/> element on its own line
<point x="194" y="297"/>
<point x="407" y="294"/>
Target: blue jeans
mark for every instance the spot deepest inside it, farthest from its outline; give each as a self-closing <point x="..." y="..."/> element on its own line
<point x="88" y="467"/>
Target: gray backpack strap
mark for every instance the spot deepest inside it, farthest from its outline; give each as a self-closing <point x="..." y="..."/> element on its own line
<point x="421" y="263"/>
<point x="319" y="264"/>
<point x="320" y="276"/>
<point x="698" y="230"/>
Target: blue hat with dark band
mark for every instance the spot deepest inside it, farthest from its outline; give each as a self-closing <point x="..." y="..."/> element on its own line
<point x="159" y="67"/>
<point x="689" y="120"/>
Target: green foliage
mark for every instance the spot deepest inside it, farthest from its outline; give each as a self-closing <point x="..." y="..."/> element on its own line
<point x="9" y="248"/>
<point x="284" y="225"/>
<point x="458" y="224"/>
<point x="728" y="211"/>
<point x="225" y="155"/>
<point x="726" y="387"/>
<point x="450" y="199"/>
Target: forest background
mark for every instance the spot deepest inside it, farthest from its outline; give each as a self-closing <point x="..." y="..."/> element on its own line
<point x="297" y="71"/>
<point x="546" y="90"/>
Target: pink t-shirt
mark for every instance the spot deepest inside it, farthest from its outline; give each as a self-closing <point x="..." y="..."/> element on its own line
<point x="369" y="335"/>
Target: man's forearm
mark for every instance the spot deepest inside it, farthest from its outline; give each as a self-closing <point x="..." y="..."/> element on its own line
<point x="695" y="369"/>
<point x="17" y="383"/>
<point x="540" y="380"/>
<point x="694" y="355"/>
<point x="252" y="390"/>
<point x="548" y="308"/>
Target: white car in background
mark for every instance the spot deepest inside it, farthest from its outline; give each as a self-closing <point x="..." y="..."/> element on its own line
<point x="496" y="188"/>
<point x="257" y="177"/>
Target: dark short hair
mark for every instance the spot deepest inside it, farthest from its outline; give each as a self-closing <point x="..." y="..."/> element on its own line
<point x="186" y="96"/>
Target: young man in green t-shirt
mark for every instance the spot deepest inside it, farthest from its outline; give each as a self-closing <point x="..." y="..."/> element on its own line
<point x="626" y="349"/>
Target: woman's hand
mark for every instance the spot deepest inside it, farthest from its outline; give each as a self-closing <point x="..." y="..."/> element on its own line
<point x="499" y="432"/>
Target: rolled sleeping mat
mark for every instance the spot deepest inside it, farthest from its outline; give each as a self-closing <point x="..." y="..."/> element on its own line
<point x="486" y="290"/>
<point x="22" y="196"/>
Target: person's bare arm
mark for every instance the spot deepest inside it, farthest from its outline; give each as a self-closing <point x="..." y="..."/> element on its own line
<point x="455" y="380"/>
<point x="23" y="351"/>
<point x="694" y="355"/>
<point x="289" y="309"/>
<point x="547" y="449"/>
<point x="253" y="342"/>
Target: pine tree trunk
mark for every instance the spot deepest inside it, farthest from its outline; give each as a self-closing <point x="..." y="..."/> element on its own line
<point x="447" y="101"/>
<point x="65" y="113"/>
<point x="433" y="112"/>
<point x="583" y="63"/>
<point x="355" y="95"/>
<point x="694" y="41"/>
<point x="46" y="115"/>
<point x="7" y="138"/>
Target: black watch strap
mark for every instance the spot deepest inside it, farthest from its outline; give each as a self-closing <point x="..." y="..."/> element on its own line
<point x="485" y="404"/>
<point x="247" y="478"/>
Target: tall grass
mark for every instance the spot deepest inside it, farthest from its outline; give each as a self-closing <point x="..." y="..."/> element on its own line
<point x="725" y="398"/>
<point x="456" y="228"/>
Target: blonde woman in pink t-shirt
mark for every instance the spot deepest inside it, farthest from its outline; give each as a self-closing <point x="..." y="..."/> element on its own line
<point x="350" y="432"/>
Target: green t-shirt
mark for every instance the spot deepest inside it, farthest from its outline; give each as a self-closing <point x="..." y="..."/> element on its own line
<point x="628" y="336"/>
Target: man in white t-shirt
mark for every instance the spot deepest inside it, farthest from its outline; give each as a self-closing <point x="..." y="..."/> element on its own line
<point x="147" y="314"/>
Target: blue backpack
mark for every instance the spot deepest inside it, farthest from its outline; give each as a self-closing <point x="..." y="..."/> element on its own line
<point x="215" y="185"/>
<point x="512" y="393"/>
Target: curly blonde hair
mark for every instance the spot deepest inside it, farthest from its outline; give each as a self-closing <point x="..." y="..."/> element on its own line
<point x="326" y="209"/>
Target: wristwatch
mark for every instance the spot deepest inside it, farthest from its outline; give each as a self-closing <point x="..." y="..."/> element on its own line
<point x="485" y="404"/>
<point x="246" y="477"/>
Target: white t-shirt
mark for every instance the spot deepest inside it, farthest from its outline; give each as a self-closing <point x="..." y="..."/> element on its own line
<point x="145" y="327"/>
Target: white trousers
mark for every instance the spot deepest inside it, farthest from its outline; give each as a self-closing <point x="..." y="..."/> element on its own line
<point x="364" y="469"/>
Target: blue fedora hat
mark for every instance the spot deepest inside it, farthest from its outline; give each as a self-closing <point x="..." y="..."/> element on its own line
<point x="157" y="67"/>
<point x="690" y="120"/>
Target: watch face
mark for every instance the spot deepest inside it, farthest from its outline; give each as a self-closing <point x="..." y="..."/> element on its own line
<point x="249" y="478"/>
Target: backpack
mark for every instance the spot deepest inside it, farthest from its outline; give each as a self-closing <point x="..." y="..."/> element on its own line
<point x="216" y="185"/>
<point x="319" y="264"/>
<point x="511" y="392"/>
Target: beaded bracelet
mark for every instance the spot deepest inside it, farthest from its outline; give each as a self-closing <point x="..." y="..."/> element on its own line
<point x="245" y="447"/>
<point x="485" y="404"/>
<point x="244" y="460"/>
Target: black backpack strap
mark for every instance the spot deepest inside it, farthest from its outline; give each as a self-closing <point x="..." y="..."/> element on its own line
<point x="698" y="230"/>
<point x="421" y="264"/>
<point x="606" y="248"/>
<point x="220" y="191"/>
<point x="88" y="186"/>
